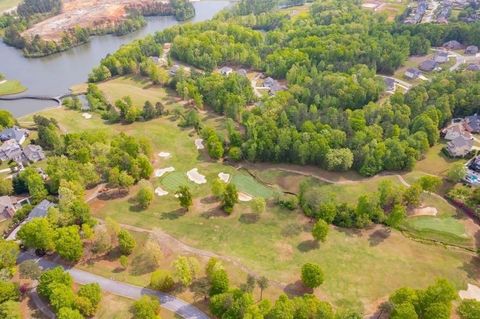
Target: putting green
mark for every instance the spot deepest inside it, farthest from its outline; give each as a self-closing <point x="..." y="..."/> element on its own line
<point x="172" y="181"/>
<point x="446" y="225"/>
<point x="248" y="184"/>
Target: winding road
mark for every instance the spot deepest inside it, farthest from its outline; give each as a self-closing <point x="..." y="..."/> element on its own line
<point x="169" y="302"/>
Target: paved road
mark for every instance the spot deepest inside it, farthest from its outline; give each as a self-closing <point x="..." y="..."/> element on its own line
<point x="169" y="302"/>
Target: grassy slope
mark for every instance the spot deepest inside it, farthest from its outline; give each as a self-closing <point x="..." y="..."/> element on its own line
<point x="11" y="87"/>
<point x="356" y="264"/>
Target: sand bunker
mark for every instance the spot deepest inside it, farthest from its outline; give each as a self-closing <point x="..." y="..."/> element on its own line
<point x="199" y="144"/>
<point x="164" y="154"/>
<point x="244" y="197"/>
<point x="196" y="177"/>
<point x="160" y="191"/>
<point x="472" y="292"/>
<point x="160" y="172"/>
<point x="224" y="177"/>
<point x="87" y="116"/>
<point x="425" y="211"/>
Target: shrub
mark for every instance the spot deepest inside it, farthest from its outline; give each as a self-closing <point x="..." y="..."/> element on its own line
<point x="162" y="280"/>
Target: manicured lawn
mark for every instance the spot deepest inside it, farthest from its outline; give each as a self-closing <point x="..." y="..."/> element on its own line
<point x="435" y="161"/>
<point x="11" y="87"/>
<point x="247" y="184"/>
<point x="172" y="181"/>
<point x="446" y="230"/>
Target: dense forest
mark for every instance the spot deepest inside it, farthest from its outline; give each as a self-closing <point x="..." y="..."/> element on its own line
<point x="330" y="115"/>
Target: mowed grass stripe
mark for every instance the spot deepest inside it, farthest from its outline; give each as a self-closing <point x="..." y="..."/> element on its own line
<point x="174" y="180"/>
<point x="247" y="184"/>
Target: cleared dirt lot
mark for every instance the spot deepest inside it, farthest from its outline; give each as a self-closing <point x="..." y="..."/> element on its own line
<point x="86" y="14"/>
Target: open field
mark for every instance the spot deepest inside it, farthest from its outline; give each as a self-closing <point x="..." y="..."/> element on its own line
<point x="392" y="8"/>
<point x="6" y="5"/>
<point x="85" y="14"/>
<point x="278" y="242"/>
<point x="116" y="307"/>
<point x="11" y="87"/>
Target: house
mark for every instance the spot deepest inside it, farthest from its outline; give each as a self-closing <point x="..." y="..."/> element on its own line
<point x="412" y="73"/>
<point x="460" y="146"/>
<point x="474" y="164"/>
<point x="471" y="50"/>
<point x="441" y="57"/>
<point x="33" y="153"/>
<point x="473" y="123"/>
<point x="453" y="45"/>
<point x="15" y="133"/>
<point x="455" y="130"/>
<point x="269" y="82"/>
<point x="226" y="70"/>
<point x="277" y="87"/>
<point x="390" y="84"/>
<point x="10" y="150"/>
<point x="242" y="72"/>
<point x="174" y="69"/>
<point x="7" y="207"/>
<point x="428" y="65"/>
<point x="41" y="209"/>
<point x="155" y="59"/>
<point x="473" y="67"/>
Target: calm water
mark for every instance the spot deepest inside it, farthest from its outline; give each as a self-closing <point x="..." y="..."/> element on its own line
<point x="53" y="75"/>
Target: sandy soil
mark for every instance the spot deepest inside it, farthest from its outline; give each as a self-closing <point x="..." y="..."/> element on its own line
<point x="472" y="292"/>
<point x="196" y="177"/>
<point x="160" y="191"/>
<point x="425" y="211"/>
<point x="160" y="172"/>
<point x="244" y="197"/>
<point x="164" y="154"/>
<point x="224" y="177"/>
<point x="199" y="144"/>
<point x="86" y="14"/>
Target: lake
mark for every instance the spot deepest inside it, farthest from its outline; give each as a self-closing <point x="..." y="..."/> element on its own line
<point x="55" y="74"/>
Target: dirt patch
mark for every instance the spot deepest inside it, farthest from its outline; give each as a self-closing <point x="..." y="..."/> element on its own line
<point x="425" y="211"/>
<point x="472" y="292"/>
<point x="97" y="14"/>
<point x="285" y="251"/>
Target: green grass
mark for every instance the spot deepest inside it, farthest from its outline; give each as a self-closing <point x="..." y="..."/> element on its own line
<point x="11" y="87"/>
<point x="8" y="4"/>
<point x="247" y="184"/>
<point x="349" y="192"/>
<point x="355" y="263"/>
<point x="446" y="230"/>
<point x="172" y="181"/>
<point x="116" y="307"/>
<point x="436" y="162"/>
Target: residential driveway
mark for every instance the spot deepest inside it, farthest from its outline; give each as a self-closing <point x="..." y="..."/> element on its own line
<point x="169" y="302"/>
